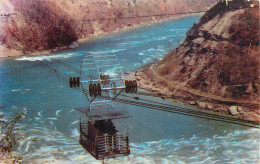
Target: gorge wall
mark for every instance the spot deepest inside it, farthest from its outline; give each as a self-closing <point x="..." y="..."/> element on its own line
<point x="219" y="60"/>
<point x="37" y="25"/>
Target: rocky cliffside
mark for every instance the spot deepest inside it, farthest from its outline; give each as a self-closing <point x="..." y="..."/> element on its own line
<point x="46" y="24"/>
<point x="218" y="61"/>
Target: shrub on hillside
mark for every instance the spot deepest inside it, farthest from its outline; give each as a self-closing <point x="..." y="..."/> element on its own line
<point x="246" y="31"/>
<point x="45" y="26"/>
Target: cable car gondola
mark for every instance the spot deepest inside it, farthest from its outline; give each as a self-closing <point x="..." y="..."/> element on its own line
<point x="98" y="134"/>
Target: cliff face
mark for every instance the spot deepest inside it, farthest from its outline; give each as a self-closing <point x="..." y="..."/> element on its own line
<point x="45" y="24"/>
<point x="219" y="59"/>
<point x="220" y="54"/>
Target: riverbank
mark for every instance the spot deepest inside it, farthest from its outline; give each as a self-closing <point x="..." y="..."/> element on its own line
<point x="148" y="80"/>
<point x="49" y="25"/>
<point x="10" y="53"/>
<point x="217" y="66"/>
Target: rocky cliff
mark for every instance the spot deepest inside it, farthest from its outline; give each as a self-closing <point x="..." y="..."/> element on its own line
<point x="34" y="25"/>
<point x="218" y="61"/>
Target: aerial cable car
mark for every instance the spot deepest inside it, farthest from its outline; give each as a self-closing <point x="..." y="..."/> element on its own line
<point x="101" y="76"/>
<point x="99" y="134"/>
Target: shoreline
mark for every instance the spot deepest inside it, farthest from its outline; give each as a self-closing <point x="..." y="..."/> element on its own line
<point x="6" y="53"/>
<point x="238" y="110"/>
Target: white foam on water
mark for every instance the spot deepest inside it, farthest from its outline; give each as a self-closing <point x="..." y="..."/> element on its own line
<point x="106" y="51"/>
<point x="202" y="150"/>
<point x="40" y="113"/>
<point x="147" y="60"/>
<point x="151" y="50"/>
<point x="75" y="122"/>
<point x="141" y="53"/>
<point x="15" y="90"/>
<point x="160" y="38"/>
<point x="52" y="118"/>
<point x="220" y="149"/>
<point x="53" y="146"/>
<point x="40" y="58"/>
<point x="51" y="122"/>
<point x="25" y="110"/>
<point x="37" y="118"/>
<point x="58" y="111"/>
<point x="75" y="133"/>
<point x="49" y="57"/>
<point x="23" y="142"/>
<point x="111" y="72"/>
<point x="27" y="147"/>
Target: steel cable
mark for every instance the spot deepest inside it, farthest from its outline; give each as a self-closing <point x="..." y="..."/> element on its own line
<point x="197" y="112"/>
<point x="162" y="106"/>
<point x="173" y="110"/>
<point x="68" y="66"/>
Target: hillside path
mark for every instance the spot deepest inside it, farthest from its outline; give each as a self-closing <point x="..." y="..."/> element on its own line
<point x="199" y="93"/>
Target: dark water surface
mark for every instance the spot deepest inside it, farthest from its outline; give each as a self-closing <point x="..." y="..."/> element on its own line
<point x="51" y="123"/>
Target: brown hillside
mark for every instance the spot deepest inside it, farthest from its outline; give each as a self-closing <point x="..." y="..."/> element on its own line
<point x="46" y="24"/>
<point x="218" y="60"/>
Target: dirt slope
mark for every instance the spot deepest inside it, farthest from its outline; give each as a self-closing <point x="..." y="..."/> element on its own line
<point x="218" y="61"/>
<point x="46" y="24"/>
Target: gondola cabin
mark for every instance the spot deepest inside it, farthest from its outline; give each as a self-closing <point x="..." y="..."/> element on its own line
<point x="100" y="137"/>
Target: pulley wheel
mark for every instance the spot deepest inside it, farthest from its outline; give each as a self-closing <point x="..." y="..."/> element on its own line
<point x="90" y="90"/>
<point x="131" y="86"/>
<point x="70" y="82"/>
<point x="99" y="89"/>
<point x="135" y="86"/>
<point x="74" y="81"/>
<point x="126" y="83"/>
<point x="95" y="92"/>
<point x="78" y="81"/>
